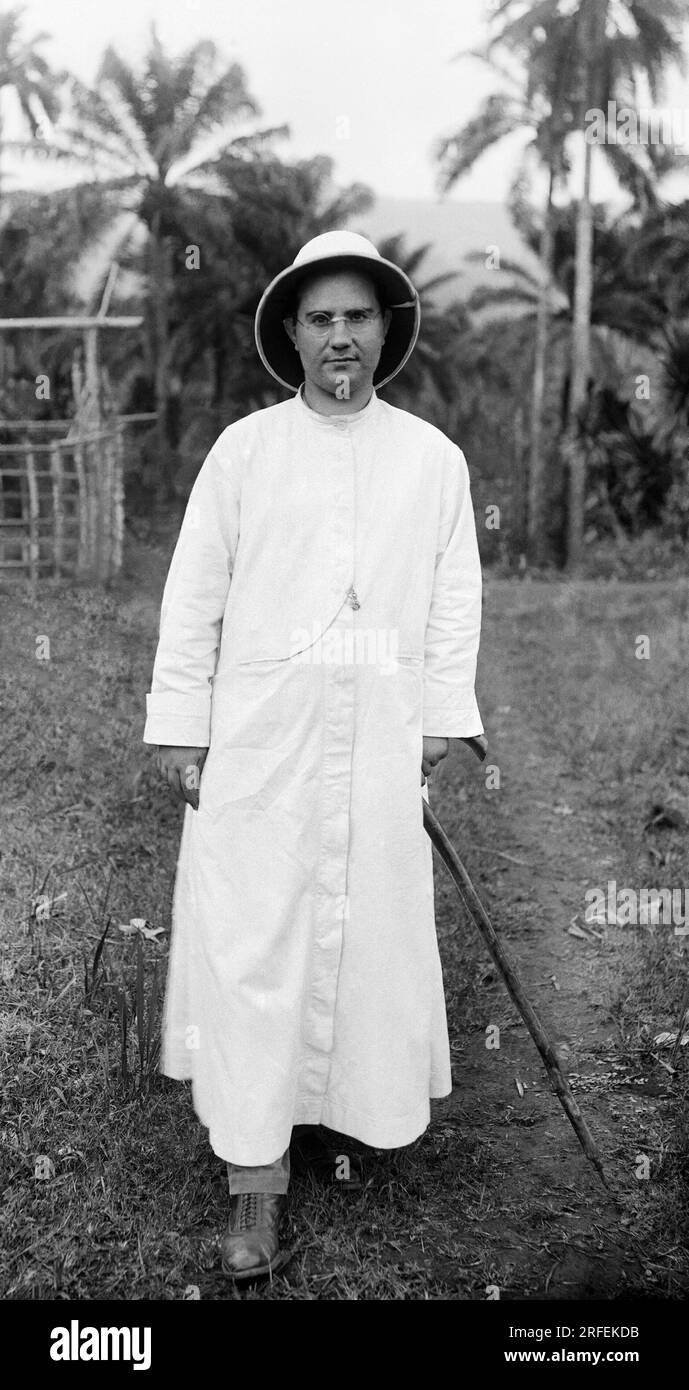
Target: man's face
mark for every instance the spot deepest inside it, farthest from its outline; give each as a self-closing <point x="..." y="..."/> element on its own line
<point x="342" y="361"/>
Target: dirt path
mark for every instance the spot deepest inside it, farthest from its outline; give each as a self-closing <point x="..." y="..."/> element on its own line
<point x="542" y="1224"/>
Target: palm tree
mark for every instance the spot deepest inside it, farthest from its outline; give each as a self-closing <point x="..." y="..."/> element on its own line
<point x="573" y="63"/>
<point x="538" y="103"/>
<point x="613" y="45"/>
<point x="26" y="72"/>
<point x="639" y="322"/>
<point x="152" y="139"/>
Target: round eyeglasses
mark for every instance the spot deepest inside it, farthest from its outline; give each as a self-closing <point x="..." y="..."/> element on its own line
<point x="318" y="325"/>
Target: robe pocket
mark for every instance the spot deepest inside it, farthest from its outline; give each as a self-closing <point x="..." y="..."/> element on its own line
<point x="263" y="705"/>
<point x="255" y="776"/>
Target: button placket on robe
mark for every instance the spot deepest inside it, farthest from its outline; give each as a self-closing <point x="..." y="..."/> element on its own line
<point x="331" y="889"/>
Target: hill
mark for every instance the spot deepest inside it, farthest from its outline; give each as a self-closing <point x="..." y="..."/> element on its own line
<point x="453" y="229"/>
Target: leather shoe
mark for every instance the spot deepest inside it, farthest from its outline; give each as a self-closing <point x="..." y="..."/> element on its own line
<point x="251" y="1245"/>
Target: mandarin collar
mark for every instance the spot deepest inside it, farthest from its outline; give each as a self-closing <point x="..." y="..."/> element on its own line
<point x="337" y="422"/>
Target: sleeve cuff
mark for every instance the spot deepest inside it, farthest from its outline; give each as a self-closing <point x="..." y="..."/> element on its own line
<point x="449" y="721"/>
<point x="181" y="721"/>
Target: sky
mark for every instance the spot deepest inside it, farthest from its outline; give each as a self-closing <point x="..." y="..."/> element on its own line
<point x="369" y="82"/>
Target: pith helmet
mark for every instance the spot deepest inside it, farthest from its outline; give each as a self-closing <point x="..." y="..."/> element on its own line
<point x="335" y="251"/>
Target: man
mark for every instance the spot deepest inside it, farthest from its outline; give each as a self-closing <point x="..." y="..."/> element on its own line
<point x="318" y="642"/>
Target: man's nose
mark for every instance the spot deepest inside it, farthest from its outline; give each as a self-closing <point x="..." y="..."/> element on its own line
<point x="340" y="333"/>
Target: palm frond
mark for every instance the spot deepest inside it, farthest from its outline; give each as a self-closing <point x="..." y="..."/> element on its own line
<point x="226" y="99"/>
<point x="487" y="56"/>
<point x="498" y="117"/>
<point x="631" y="168"/>
<point x="519" y="32"/>
<point x="506" y="294"/>
<point x="508" y="267"/>
<point x="101" y="125"/>
<point x="114" y="72"/>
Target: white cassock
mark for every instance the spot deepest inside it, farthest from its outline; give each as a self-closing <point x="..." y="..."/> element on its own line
<point x="305" y="984"/>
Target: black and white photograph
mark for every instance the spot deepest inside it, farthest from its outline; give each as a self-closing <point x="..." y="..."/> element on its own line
<point x="344" y="656"/>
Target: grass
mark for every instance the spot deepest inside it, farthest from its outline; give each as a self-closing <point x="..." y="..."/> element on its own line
<point x="110" y="1187"/>
<point x="625" y="725"/>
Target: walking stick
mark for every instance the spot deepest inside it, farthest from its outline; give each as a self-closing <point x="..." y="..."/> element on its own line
<point x="477" y="912"/>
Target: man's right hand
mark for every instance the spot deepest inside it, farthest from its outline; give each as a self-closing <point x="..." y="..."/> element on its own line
<point x="181" y="768"/>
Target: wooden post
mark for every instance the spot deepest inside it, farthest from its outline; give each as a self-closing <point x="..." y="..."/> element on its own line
<point x="109" y="502"/>
<point x="118" y="499"/>
<point x="92" y="377"/>
<point x="112" y="456"/>
<point x="82" y="506"/>
<point x="58" y="508"/>
<point x="91" y="476"/>
<point x="34" y="548"/>
<point x="520" y="485"/>
<point x="103" y="492"/>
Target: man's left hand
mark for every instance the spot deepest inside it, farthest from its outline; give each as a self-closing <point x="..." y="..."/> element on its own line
<point x="434" y="750"/>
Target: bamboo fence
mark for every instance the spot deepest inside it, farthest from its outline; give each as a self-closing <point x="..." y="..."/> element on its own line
<point x="62" y="506"/>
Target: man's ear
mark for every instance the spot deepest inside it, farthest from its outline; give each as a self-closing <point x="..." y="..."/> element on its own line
<point x="387" y="316"/>
<point x="290" y="328"/>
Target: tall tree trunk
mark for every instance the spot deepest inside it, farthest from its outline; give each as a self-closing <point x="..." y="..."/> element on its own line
<point x="594" y="14"/>
<point x="536" y="496"/>
<point x="581" y="346"/>
<point x="161" y="364"/>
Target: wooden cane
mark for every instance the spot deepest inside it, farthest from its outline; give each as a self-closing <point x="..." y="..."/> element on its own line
<point x="478" y="915"/>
